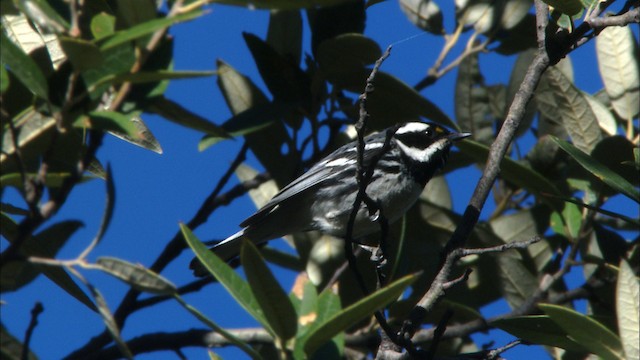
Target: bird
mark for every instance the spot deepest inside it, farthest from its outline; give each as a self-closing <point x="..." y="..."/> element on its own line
<point x="404" y="158"/>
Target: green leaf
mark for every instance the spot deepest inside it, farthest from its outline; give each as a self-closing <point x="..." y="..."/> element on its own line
<point x="143" y="77"/>
<point x="272" y="299"/>
<point x="285" y="34"/>
<point x="246" y="102"/>
<point x="628" y="310"/>
<point x="61" y="278"/>
<point x="517" y="283"/>
<point x="102" y="25"/>
<point x="139" y="277"/>
<point x="248" y="122"/>
<point x="174" y="112"/>
<point x="600" y="171"/>
<point x="586" y="331"/>
<point x="13" y="348"/>
<point x="25" y="69"/>
<point x="51" y="179"/>
<point x="606" y="120"/>
<point x="538" y="329"/>
<point x="281" y="4"/>
<point x="43" y="14"/>
<point x="325" y="306"/>
<point x="394" y="101"/>
<point x="235" y="285"/>
<point x="354" y="313"/>
<point x="286" y="81"/>
<point x="218" y="329"/>
<point x="568" y="222"/>
<point x="568" y="7"/>
<point x="143" y="29"/>
<point x="144" y="138"/>
<point x="472" y="101"/>
<point x="574" y="110"/>
<point x="617" y="49"/>
<point x="4" y="78"/>
<point x="511" y="170"/>
<point x="346" y="53"/>
<point x="109" y="321"/>
<point x="83" y="54"/>
<point x="524" y="225"/>
<point x="108" y="121"/>
<point x="46" y="244"/>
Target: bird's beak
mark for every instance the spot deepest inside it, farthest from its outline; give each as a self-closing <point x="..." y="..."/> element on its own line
<point x="458" y="136"/>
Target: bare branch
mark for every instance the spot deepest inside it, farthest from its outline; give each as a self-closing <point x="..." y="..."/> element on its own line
<point x="629" y="17"/>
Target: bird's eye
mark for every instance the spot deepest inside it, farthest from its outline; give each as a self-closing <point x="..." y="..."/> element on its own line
<point x="429" y="132"/>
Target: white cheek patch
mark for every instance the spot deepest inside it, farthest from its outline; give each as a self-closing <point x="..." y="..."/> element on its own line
<point x="415" y="127"/>
<point x="340" y="162"/>
<point x="423" y="155"/>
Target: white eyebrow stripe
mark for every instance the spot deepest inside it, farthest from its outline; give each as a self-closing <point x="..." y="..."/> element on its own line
<point x="412" y="127"/>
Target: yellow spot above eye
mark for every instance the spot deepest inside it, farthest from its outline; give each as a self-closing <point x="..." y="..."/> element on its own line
<point x="438" y="129"/>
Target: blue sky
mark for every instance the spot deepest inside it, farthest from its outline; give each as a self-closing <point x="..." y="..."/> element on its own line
<point x="156" y="192"/>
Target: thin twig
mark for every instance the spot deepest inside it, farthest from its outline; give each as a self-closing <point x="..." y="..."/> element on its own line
<point x="35" y="312"/>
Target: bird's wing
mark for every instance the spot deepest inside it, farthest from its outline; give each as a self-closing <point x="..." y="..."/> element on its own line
<point x="320" y="173"/>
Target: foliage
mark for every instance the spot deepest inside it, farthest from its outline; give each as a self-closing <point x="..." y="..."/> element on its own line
<point x="75" y="72"/>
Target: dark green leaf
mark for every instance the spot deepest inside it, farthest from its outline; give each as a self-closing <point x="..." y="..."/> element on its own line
<point x="586" y="331"/>
<point x="346" y="53"/>
<point x="83" y="54"/>
<point x="25" y="69"/>
<point x="62" y="278"/>
<point x="137" y="276"/>
<point x="285" y="34"/>
<point x="51" y="179"/>
<point x="220" y="330"/>
<point x="393" y="101"/>
<point x="568" y="7"/>
<point x="281" y="4"/>
<point x="272" y="299"/>
<point x="538" y="329"/>
<point x="247" y="122"/>
<point x="143" y="77"/>
<point x="600" y="171"/>
<point x="110" y="322"/>
<point x="517" y="283"/>
<point x="513" y="171"/>
<point x="354" y="313"/>
<point x="12" y="348"/>
<point x="143" y="29"/>
<point x="4" y="78"/>
<point x="17" y="274"/>
<point x="235" y="285"/>
<point x="284" y="79"/>
<point x="245" y="99"/>
<point x="472" y="101"/>
<point x="174" y="112"/>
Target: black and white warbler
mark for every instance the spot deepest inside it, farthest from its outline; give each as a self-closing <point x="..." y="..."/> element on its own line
<point x="322" y="198"/>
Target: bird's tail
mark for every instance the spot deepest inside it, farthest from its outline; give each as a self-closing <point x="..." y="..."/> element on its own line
<point x="227" y="249"/>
